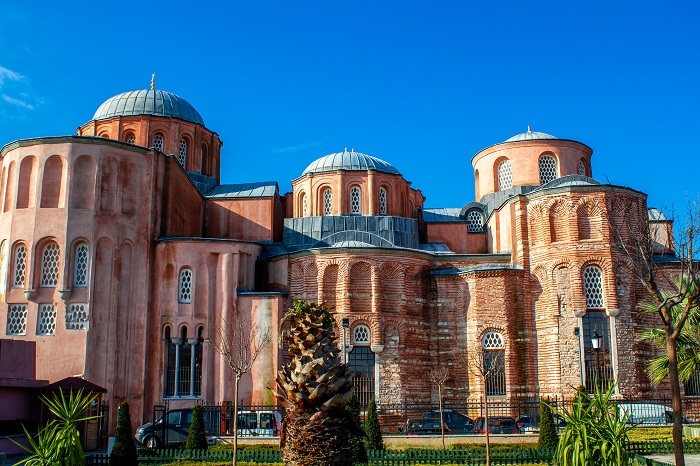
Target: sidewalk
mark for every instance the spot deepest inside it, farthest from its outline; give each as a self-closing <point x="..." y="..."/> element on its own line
<point x="690" y="460"/>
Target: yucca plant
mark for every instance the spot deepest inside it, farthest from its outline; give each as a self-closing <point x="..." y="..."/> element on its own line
<point x="314" y="388"/>
<point x="596" y="432"/>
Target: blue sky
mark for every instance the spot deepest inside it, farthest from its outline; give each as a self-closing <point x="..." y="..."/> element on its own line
<point x="423" y="85"/>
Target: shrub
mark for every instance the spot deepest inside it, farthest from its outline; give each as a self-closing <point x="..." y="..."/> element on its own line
<point x="359" y="452"/>
<point x="124" y="450"/>
<point x="197" y="437"/>
<point x="548" y="436"/>
<point x="372" y="428"/>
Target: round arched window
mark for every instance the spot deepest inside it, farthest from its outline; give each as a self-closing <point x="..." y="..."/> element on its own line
<point x="548" y="169"/>
<point x="355" y="200"/>
<point x="382" y="201"/>
<point x="158" y="143"/>
<point x="505" y="177"/>
<point x="360" y="335"/>
<point x="593" y="287"/>
<point x="475" y="221"/>
<point x="327" y="201"/>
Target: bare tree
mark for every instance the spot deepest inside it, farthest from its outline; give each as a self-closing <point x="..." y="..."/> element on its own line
<point x="486" y="369"/>
<point x="240" y="340"/>
<point x="438" y="376"/>
<point x="665" y="265"/>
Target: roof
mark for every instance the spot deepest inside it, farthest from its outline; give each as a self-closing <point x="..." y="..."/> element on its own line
<point x="259" y="189"/>
<point x="353" y="161"/>
<point x="477" y="268"/>
<point x="74" y="383"/>
<point x="530" y="135"/>
<point x="656" y="215"/>
<point x="442" y="215"/>
<point x="148" y="102"/>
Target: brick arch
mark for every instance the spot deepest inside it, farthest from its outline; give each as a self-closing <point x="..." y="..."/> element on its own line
<point x="566" y="263"/>
<point x="390" y="277"/>
<point x="311" y="281"/>
<point x="536" y="214"/>
<point x="589" y="219"/>
<point x="296" y="280"/>
<point x="609" y="285"/>
<point x="360" y="286"/>
<point x="493" y="328"/>
<point x="559" y="211"/>
<point x="329" y="284"/>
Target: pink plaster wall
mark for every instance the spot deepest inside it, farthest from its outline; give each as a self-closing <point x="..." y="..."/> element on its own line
<point x="457" y="238"/>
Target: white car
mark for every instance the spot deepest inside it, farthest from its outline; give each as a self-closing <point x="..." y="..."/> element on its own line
<point x="647" y="414"/>
<point x="262" y="423"/>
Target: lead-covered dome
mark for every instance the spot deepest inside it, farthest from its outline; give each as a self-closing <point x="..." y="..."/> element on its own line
<point x="529" y="136"/>
<point x="352" y="161"/>
<point x="148" y="102"/>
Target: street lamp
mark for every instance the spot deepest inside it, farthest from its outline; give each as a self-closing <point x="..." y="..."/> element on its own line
<point x="596" y="341"/>
<point x="346" y="326"/>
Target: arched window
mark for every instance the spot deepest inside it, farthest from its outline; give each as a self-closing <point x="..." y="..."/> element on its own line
<point x="52" y="189"/>
<point x="130" y="138"/>
<point x="360" y="336"/>
<point x="382" y="201"/>
<point x="582" y="167"/>
<point x="362" y="363"/>
<point x="475" y="221"/>
<point x="4" y="267"/>
<point x="46" y="323"/>
<point x="185" y="294"/>
<point x="49" y="265"/>
<point x="20" y="266"/>
<point x="494" y="363"/>
<point x="548" y="169"/>
<point x="158" y="143"/>
<point x="355" y="200"/>
<point x="183" y="364"/>
<point x="505" y="177"/>
<point x="593" y="287"/>
<point x="182" y="155"/>
<point x="327" y="201"/>
<point x="304" y="205"/>
<point x="82" y="265"/>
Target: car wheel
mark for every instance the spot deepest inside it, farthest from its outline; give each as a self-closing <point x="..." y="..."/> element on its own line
<point x="152" y="442"/>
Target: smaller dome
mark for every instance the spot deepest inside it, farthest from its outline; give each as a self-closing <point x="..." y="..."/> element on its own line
<point x="529" y="136"/>
<point x="353" y="161"/>
<point x="148" y="102"/>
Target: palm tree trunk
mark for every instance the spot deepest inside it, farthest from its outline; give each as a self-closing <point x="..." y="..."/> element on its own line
<point x="317" y="442"/>
<point x="675" y="396"/>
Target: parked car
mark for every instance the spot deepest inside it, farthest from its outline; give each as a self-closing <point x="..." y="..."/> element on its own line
<point x="497" y="425"/>
<point x="457" y="422"/>
<point x="259" y="423"/>
<point x="175" y="430"/>
<point x="530" y="423"/>
<point x="648" y="414"/>
<point x="424" y="426"/>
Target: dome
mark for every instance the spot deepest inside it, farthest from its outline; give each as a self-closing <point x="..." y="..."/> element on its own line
<point x="529" y="136"/>
<point x="353" y="161"/>
<point x="148" y="102"/>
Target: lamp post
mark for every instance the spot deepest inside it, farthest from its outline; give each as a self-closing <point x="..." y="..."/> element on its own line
<point x="596" y="341"/>
<point x="346" y="326"/>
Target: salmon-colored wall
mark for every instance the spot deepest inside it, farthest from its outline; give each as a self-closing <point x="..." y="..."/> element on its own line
<point x="250" y="219"/>
<point x="183" y="206"/>
<point x="457" y="238"/>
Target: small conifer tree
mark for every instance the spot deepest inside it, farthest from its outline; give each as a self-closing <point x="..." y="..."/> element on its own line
<point x="124" y="449"/>
<point x="197" y="437"/>
<point x="548" y="436"/>
<point x="359" y="453"/>
<point x="372" y="428"/>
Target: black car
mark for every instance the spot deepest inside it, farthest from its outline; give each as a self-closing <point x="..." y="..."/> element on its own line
<point x="458" y="423"/>
<point x="424" y="426"/>
<point x="497" y="425"/>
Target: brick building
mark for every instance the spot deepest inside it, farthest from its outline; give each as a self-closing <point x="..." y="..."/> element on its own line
<point x="121" y="251"/>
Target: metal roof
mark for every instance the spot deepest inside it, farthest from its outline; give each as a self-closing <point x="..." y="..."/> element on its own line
<point x="656" y="215"/>
<point x="442" y="215"/>
<point x="148" y="102"/>
<point x="229" y="191"/>
<point x="530" y="135"/>
<point x="354" y="161"/>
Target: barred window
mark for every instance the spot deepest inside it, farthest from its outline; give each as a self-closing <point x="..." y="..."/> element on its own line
<point x="382" y="201"/>
<point x="593" y="287"/>
<point x="182" y="156"/>
<point x="20" y="266"/>
<point x="494" y="363"/>
<point x="131" y="139"/>
<point x="548" y="169"/>
<point x="581" y="168"/>
<point x="304" y="206"/>
<point x="505" y="178"/>
<point x="158" y="143"/>
<point x="355" y="200"/>
<point x="327" y="202"/>
<point x="360" y="335"/>
<point x="185" y="286"/>
<point x="17" y="319"/>
<point x="475" y="221"/>
<point x="46" y="324"/>
<point x="77" y="317"/>
<point x="492" y="340"/>
<point x="49" y="265"/>
<point x="82" y="264"/>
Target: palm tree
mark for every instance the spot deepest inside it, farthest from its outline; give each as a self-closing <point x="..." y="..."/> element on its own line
<point x="314" y="388"/>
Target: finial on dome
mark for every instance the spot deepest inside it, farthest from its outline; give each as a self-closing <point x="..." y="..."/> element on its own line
<point x="528" y="129"/>
<point x="352" y="150"/>
<point x="153" y="81"/>
<point x="345" y="150"/>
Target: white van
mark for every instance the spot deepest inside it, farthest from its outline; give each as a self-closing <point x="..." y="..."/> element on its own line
<point x="647" y="414"/>
<point x="262" y="423"/>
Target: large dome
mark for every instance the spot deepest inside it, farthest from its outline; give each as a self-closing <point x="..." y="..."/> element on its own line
<point x="148" y="102"/>
<point x="530" y="135"/>
<point x="353" y="161"/>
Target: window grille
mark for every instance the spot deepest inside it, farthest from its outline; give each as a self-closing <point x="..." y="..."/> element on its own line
<point x="82" y="261"/>
<point x="494" y="363"/>
<point x="304" y="206"/>
<point x="361" y="360"/>
<point x="548" y="169"/>
<point x="20" y="266"/>
<point x="158" y="143"/>
<point x="581" y="168"/>
<point x="505" y="178"/>
<point x="475" y="221"/>
<point x="598" y="363"/>
<point x="186" y="286"/>
<point x="493" y="340"/>
<point x="327" y="202"/>
<point x="361" y="335"/>
<point x="49" y="265"/>
<point x="182" y="156"/>
<point x="355" y="200"/>
<point x="593" y="287"/>
<point x="382" y="201"/>
<point x="17" y="319"/>
<point x="77" y="317"/>
<point x="131" y="139"/>
<point x="183" y="366"/>
<point x="47" y="320"/>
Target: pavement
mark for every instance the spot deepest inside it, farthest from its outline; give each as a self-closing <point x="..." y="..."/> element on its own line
<point x="690" y="460"/>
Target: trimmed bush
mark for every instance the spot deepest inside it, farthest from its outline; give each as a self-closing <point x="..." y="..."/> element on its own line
<point x="372" y="428"/>
<point x="124" y="450"/>
<point x="548" y="436"/>
<point x="197" y="437"/>
<point x="359" y="453"/>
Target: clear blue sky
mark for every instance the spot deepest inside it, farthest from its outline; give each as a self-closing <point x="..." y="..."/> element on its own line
<point x="423" y="85"/>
